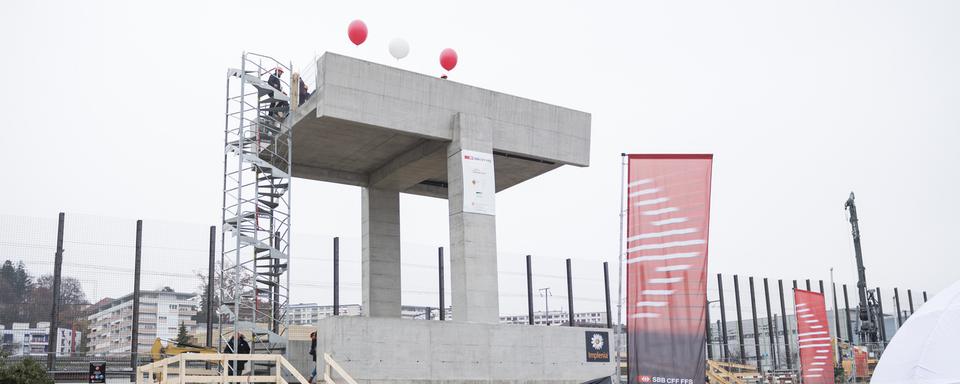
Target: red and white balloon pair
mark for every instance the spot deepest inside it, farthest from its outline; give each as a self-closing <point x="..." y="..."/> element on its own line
<point x="399" y="48"/>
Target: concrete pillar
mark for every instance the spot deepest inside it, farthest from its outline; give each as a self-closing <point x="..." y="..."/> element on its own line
<point x="473" y="236"/>
<point x="381" y="253"/>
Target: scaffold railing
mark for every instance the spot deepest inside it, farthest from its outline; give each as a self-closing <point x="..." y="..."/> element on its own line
<point x="255" y="257"/>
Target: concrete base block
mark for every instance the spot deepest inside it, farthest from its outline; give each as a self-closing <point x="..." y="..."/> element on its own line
<point x="386" y="350"/>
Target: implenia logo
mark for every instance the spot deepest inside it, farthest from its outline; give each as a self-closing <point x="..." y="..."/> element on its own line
<point x="596" y="341"/>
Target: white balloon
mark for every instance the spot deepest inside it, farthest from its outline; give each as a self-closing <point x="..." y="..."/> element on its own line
<point x="399" y="48"/>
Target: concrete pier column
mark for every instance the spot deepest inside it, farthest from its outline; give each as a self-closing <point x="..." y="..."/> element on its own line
<point x="381" y="253"/>
<point x="473" y="236"/>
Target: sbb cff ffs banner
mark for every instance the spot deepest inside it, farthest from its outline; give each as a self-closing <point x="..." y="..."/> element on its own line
<point x="668" y="222"/>
<point x="813" y="337"/>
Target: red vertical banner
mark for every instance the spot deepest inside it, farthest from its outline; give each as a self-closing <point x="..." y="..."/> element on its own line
<point x="813" y="337"/>
<point x="668" y="222"/>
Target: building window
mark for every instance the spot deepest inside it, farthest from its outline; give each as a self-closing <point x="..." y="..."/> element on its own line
<point x="173" y="306"/>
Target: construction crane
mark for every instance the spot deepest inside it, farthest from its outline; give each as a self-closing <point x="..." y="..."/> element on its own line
<point x="868" y="313"/>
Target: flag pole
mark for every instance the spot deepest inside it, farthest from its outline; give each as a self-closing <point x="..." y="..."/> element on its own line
<point x="620" y="256"/>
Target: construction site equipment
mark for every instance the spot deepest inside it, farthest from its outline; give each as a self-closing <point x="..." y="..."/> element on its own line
<point x="782" y="376"/>
<point x="159" y="351"/>
<point x="255" y="258"/>
<point x="719" y="372"/>
<point x="869" y="312"/>
<point x="177" y="369"/>
<point x="853" y="366"/>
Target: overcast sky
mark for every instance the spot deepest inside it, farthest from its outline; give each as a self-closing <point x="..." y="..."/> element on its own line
<point x="116" y="109"/>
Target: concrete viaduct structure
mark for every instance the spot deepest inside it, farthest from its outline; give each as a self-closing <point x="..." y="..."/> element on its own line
<point x="392" y="131"/>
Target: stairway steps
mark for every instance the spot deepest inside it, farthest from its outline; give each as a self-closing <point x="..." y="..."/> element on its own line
<point x="281" y="266"/>
<point x="268" y="203"/>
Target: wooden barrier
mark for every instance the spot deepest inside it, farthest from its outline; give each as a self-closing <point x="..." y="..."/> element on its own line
<point x="329" y="365"/>
<point x="175" y="370"/>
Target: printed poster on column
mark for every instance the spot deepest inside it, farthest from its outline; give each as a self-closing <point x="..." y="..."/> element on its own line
<point x="479" y="184"/>
<point x="668" y="222"/>
<point x="813" y="337"/>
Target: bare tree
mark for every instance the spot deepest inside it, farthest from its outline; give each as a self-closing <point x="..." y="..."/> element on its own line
<point x="229" y="283"/>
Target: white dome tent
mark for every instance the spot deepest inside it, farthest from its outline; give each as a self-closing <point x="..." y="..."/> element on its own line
<point x="924" y="350"/>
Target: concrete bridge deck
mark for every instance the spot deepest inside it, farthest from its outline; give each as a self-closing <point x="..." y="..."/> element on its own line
<point x="377" y="126"/>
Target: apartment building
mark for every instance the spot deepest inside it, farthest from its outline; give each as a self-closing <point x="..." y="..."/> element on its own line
<point x="22" y="340"/>
<point x="558" y="318"/>
<point x="161" y="313"/>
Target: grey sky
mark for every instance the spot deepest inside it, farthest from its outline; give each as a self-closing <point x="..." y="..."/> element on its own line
<point x="116" y="109"/>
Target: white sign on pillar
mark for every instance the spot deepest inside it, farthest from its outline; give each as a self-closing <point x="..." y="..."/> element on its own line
<point x="479" y="184"/>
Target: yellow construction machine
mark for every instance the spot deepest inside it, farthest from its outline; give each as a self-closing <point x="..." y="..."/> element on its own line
<point x="160" y="352"/>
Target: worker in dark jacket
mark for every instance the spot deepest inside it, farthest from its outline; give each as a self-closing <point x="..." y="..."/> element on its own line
<point x="313" y="355"/>
<point x="278" y="108"/>
<point x="304" y="93"/>
<point x="274" y="80"/>
<point x="236" y="367"/>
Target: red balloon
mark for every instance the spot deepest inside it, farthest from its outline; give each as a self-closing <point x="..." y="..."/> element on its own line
<point x="357" y="32"/>
<point x="448" y="59"/>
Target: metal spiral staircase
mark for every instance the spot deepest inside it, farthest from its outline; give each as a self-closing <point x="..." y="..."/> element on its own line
<point x="255" y="245"/>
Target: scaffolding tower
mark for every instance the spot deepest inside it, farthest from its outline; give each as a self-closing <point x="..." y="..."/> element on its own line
<point x="255" y="243"/>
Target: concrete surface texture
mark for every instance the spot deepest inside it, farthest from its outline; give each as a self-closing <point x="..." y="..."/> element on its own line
<point x="374" y="125"/>
<point x="386" y="350"/>
<point x="393" y="131"/>
<point x="473" y="236"/>
<point x="298" y="354"/>
<point x="380" y="260"/>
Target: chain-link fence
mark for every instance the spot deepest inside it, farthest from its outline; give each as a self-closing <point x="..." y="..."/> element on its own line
<point x="94" y="318"/>
<point x="752" y="322"/>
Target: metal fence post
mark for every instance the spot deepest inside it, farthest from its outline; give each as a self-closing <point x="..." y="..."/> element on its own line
<point x="443" y="315"/>
<point x="896" y="303"/>
<point x="910" y="300"/>
<point x="756" y="327"/>
<point x="530" y="318"/>
<point x="606" y="291"/>
<point x="846" y="309"/>
<point x="736" y="296"/>
<point x="882" y="323"/>
<point x="210" y="272"/>
<point x="570" y="295"/>
<point x="52" y="344"/>
<point x="336" y="276"/>
<point x="773" y="338"/>
<point x="725" y="350"/>
<point x="836" y="316"/>
<point x="134" y="337"/>
<point x="786" y="331"/>
<point x="706" y="313"/>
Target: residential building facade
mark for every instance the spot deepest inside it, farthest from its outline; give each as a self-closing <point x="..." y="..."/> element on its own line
<point x="22" y="340"/>
<point x="161" y="313"/>
<point x="558" y="318"/>
<point x="310" y="313"/>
